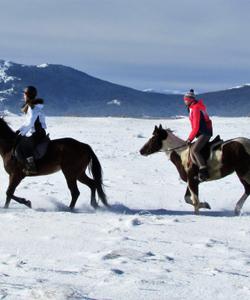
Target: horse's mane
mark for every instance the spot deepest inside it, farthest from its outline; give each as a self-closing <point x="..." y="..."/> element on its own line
<point x="174" y="135"/>
<point x="169" y="130"/>
<point x="6" y="133"/>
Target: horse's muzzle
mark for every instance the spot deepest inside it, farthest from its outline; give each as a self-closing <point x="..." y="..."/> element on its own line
<point x="142" y="152"/>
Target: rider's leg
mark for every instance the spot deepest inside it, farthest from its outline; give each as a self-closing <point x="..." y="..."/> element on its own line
<point x="196" y="151"/>
<point x="28" y="153"/>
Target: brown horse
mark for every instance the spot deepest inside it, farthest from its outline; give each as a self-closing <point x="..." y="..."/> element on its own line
<point x="66" y="154"/>
<point x="231" y="156"/>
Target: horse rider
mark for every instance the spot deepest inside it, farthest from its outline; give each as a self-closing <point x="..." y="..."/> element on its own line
<point x="33" y="131"/>
<point x="201" y="129"/>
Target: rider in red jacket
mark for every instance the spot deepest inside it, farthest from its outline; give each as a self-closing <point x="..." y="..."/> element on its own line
<point x="201" y="129"/>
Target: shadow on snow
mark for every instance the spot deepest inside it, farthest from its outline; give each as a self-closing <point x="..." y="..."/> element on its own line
<point x="119" y="208"/>
<point x="122" y="209"/>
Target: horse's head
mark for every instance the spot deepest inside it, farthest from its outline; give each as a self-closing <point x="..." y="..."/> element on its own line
<point x="155" y="142"/>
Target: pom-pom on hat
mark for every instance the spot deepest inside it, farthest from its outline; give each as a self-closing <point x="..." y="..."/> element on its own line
<point x="189" y="96"/>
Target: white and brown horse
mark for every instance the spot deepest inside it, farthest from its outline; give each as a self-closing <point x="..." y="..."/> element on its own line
<point x="231" y="156"/>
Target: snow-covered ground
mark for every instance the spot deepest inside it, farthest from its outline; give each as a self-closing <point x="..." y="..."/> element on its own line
<point x="149" y="245"/>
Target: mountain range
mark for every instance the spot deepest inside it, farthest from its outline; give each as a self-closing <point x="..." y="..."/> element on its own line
<point x="68" y="91"/>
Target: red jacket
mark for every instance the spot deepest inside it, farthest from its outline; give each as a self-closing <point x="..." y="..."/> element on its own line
<point x="200" y="122"/>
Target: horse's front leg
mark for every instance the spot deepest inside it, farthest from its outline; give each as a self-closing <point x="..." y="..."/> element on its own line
<point x="22" y="201"/>
<point x="14" y="181"/>
<point x="192" y="196"/>
<point x="193" y="187"/>
<point x="187" y="197"/>
<point x="188" y="200"/>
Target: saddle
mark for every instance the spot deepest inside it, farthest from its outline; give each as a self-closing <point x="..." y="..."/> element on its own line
<point x="39" y="150"/>
<point x="215" y="143"/>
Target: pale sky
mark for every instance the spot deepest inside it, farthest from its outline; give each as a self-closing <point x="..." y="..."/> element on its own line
<point x="158" y="44"/>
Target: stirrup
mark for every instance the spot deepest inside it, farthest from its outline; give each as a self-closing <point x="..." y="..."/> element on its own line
<point x="30" y="167"/>
<point x="29" y="172"/>
<point x="203" y="174"/>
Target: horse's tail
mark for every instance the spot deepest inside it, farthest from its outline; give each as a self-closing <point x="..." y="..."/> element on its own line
<point x="96" y="171"/>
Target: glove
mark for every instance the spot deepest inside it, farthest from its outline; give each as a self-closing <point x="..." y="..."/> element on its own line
<point x="188" y="142"/>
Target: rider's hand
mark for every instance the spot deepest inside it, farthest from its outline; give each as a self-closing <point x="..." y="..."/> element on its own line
<point x="188" y="142"/>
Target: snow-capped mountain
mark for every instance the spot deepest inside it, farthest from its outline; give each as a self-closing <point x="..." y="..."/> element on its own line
<point x="165" y="91"/>
<point x="68" y="91"/>
<point x="240" y="86"/>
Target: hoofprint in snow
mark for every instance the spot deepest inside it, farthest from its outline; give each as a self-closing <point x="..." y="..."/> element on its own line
<point x="149" y="245"/>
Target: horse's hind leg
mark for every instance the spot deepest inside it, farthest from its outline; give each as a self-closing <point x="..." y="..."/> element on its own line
<point x="83" y="178"/>
<point x="72" y="185"/>
<point x="244" y="197"/>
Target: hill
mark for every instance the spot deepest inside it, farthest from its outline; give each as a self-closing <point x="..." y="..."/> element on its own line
<point x="68" y="91"/>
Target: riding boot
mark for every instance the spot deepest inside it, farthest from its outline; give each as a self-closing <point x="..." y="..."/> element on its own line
<point x="203" y="174"/>
<point x="30" y="167"/>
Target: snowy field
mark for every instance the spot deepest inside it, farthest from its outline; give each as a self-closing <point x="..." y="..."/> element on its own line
<point x="149" y="245"/>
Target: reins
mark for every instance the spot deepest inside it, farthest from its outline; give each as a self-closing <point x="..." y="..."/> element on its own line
<point x="175" y="148"/>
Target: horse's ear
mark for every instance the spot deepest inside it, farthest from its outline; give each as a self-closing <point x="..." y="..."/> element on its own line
<point x="155" y="130"/>
<point x="160" y="127"/>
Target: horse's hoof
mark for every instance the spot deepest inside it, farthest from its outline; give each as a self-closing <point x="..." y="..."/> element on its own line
<point x="207" y="206"/>
<point x="196" y="211"/>
<point x="6" y="206"/>
<point x="95" y="206"/>
<point x="237" y="212"/>
<point x="28" y="204"/>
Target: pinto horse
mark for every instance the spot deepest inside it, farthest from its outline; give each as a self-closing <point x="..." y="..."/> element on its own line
<point x="231" y="156"/>
<point x="68" y="155"/>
